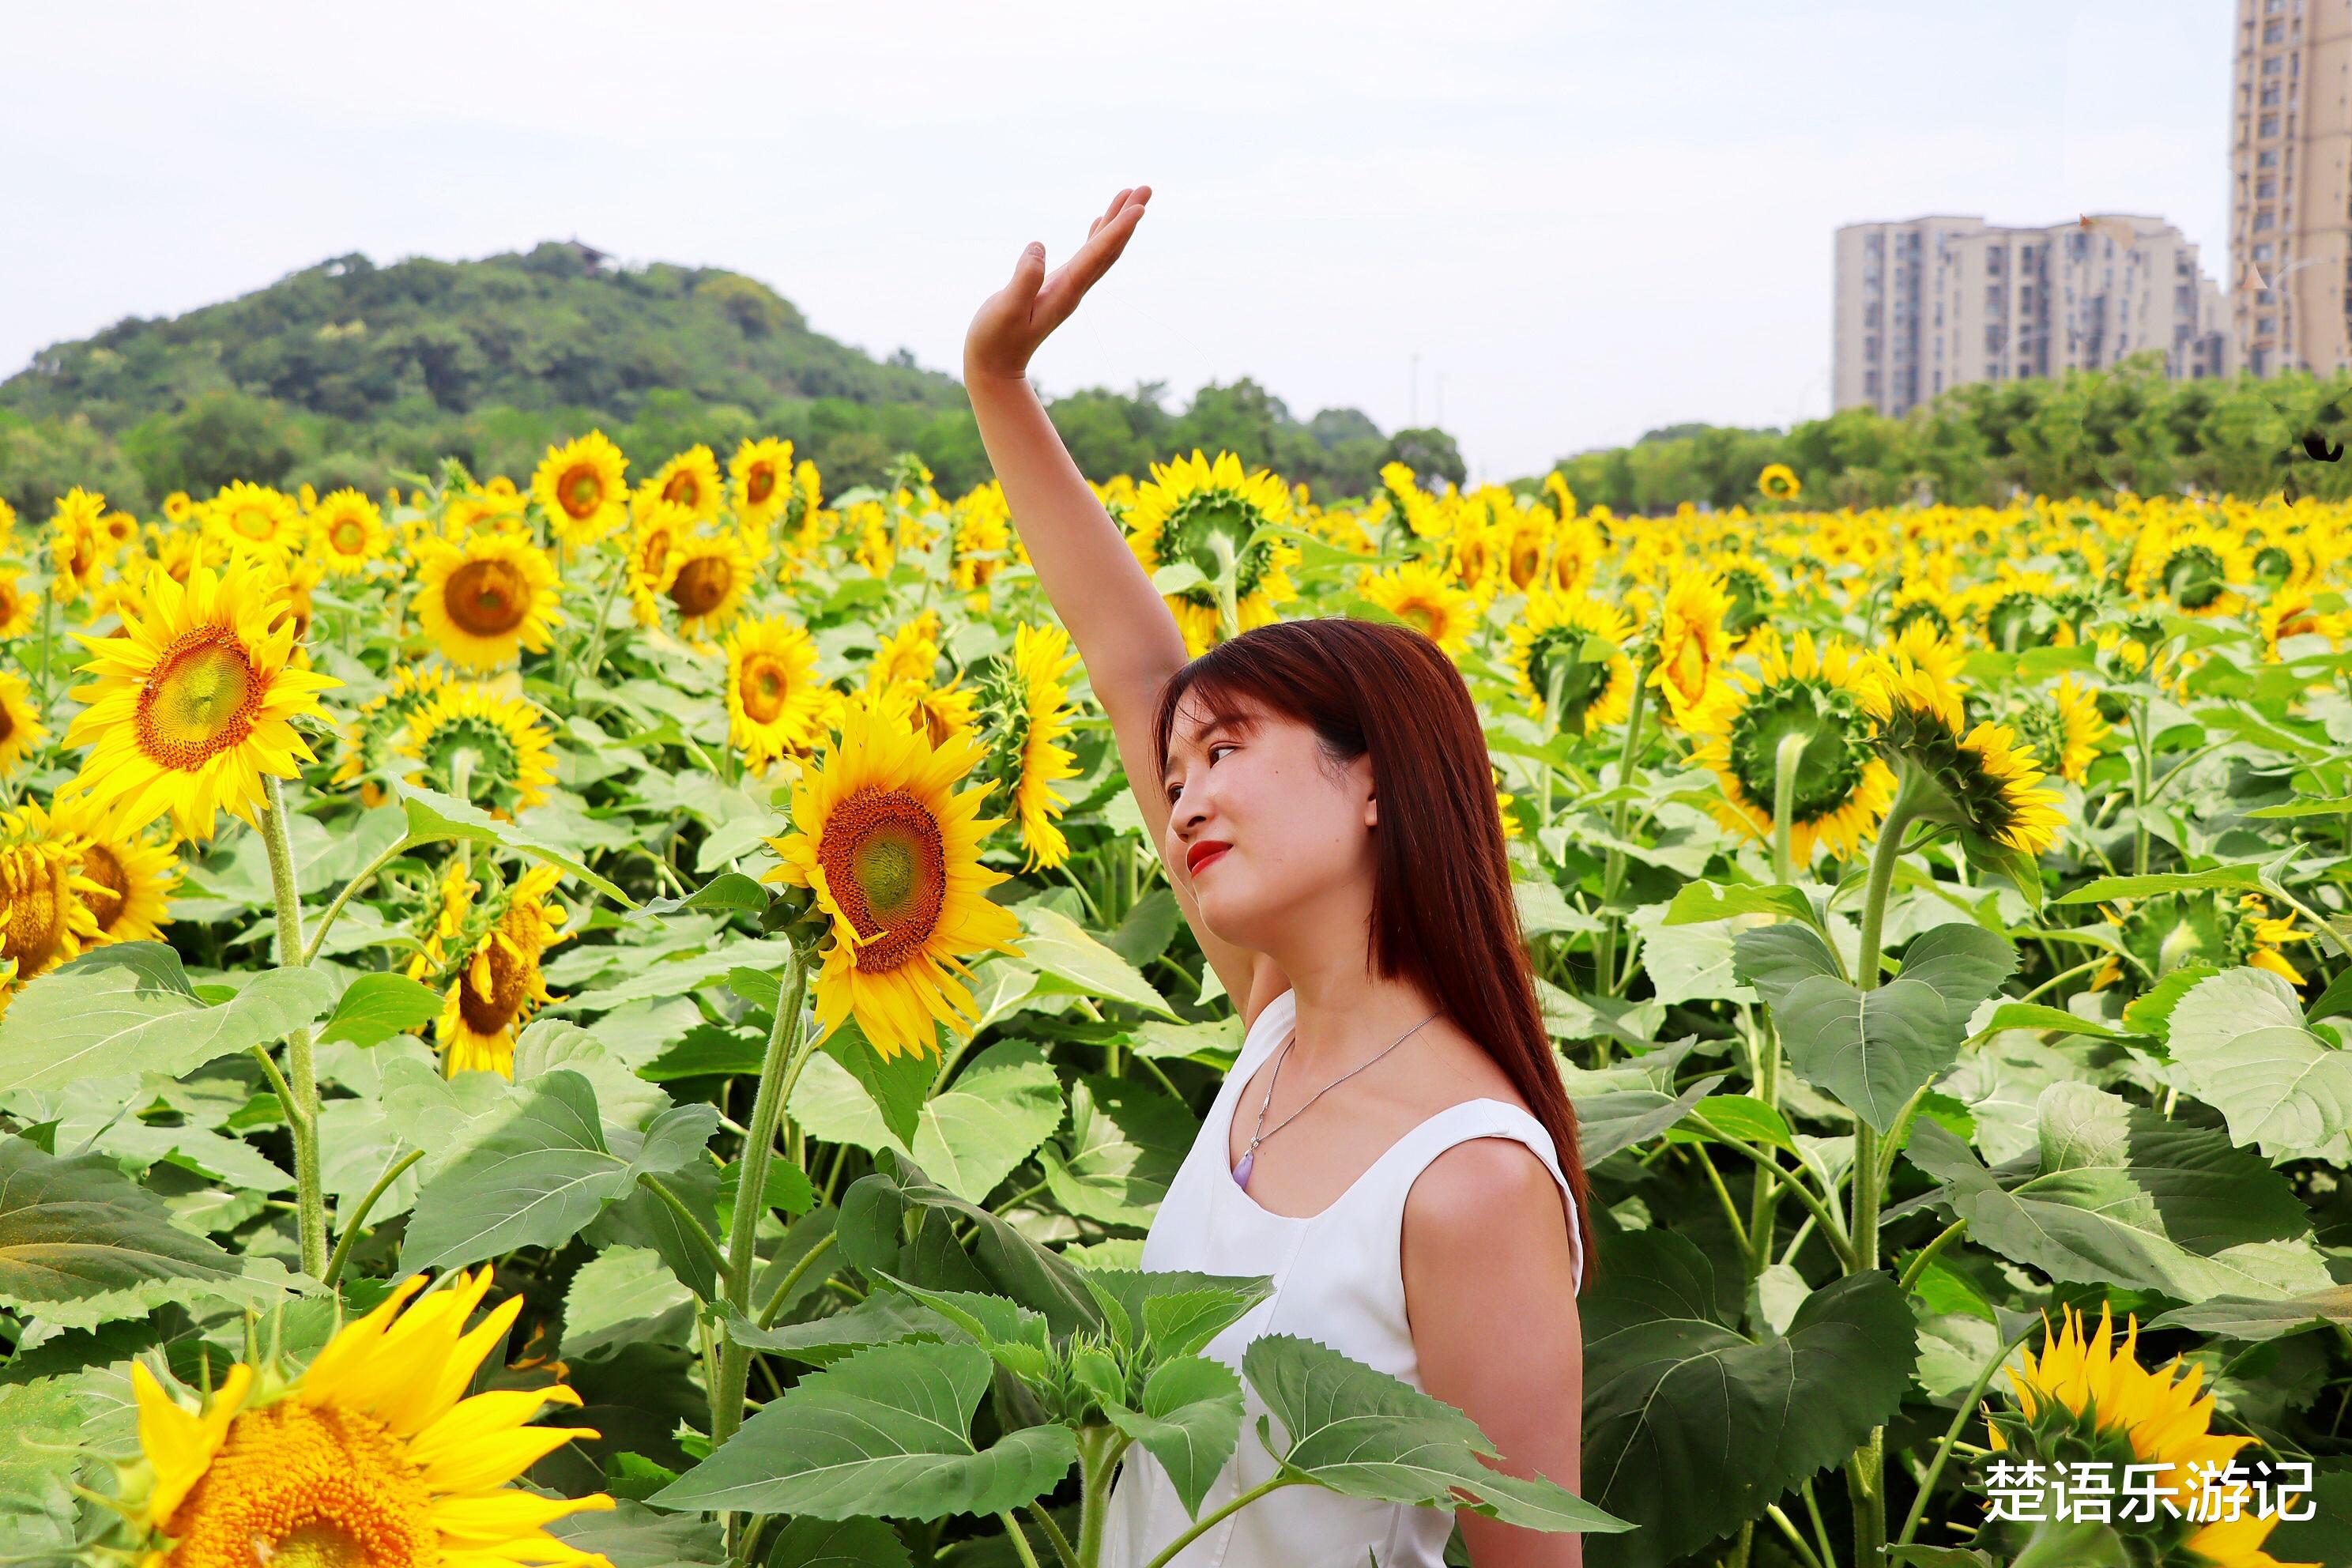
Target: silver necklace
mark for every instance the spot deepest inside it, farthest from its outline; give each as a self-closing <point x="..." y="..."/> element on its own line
<point x="1260" y="1133"/>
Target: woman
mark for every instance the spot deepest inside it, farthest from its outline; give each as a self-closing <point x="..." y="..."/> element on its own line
<point x="1393" y="1146"/>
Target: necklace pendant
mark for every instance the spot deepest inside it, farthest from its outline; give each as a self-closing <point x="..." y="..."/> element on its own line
<point x="1242" y="1171"/>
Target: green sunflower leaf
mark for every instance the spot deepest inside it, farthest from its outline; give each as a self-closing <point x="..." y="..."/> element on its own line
<point x="885" y="1431"/>
<point x="2246" y="877"/>
<point x="1871" y="1048"/>
<point x="1191" y="1422"/>
<point x="1364" y="1434"/>
<point x="375" y="1007"/>
<point x="129" y="1008"/>
<point x="1071" y="962"/>
<point x="435" y="819"/>
<point x="2238" y="1043"/>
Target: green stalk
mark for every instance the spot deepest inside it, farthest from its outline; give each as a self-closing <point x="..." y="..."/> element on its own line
<point x="2143" y="765"/>
<point x="366" y="874"/>
<point x="1099" y="1448"/>
<point x="1866" y="1470"/>
<point x="1556" y="679"/>
<point x="1229" y="616"/>
<point x="48" y="638"/>
<point x="1952" y="1436"/>
<point x="786" y="1050"/>
<point x="1613" y="869"/>
<point x="1765" y="1198"/>
<point x="1786" y="759"/>
<point x="357" y="1219"/>
<point x="303" y="1078"/>
<point x="1211" y="1520"/>
<point x="595" y="659"/>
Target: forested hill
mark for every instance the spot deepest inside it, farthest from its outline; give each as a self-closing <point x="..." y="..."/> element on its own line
<point x="559" y="327"/>
<point x="349" y="373"/>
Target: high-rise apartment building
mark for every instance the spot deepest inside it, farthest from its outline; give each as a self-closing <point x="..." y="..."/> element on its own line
<point x="2291" y="206"/>
<point x="1936" y="302"/>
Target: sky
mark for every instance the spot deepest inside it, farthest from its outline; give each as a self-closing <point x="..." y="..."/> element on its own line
<point x="1550" y="226"/>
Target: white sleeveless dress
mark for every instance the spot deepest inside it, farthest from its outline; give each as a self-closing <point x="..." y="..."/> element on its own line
<point x="1338" y="1277"/>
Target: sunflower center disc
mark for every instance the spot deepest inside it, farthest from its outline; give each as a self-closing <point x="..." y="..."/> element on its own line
<point x="685" y="490"/>
<point x="202" y="700"/>
<point x="348" y="536"/>
<point x="487" y="598"/>
<point x="99" y="864"/>
<point x="762" y="484"/>
<point x="255" y="524"/>
<point x="310" y="1488"/>
<point x="701" y="586"/>
<point x="887" y="864"/>
<point x="509" y="985"/>
<point x="30" y="936"/>
<point x="763" y="688"/>
<point x="581" y="490"/>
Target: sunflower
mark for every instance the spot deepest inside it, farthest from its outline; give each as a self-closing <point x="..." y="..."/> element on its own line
<point x="983" y="540"/>
<point x="453" y="903"/>
<point x="45" y="915"/>
<point x="775" y="705"/>
<point x="466" y="741"/>
<point x="78" y="546"/>
<point x="194" y="700"/>
<point x="249" y="517"/>
<point x="1577" y="549"/>
<point x="1922" y="671"/>
<point x="2063" y="729"/>
<point x="1693" y="643"/>
<point x="347" y="532"/>
<point x="763" y="473"/>
<point x="580" y="489"/>
<point x="130" y="877"/>
<point x="690" y="479"/>
<point x="499" y="985"/>
<point x="485" y="600"/>
<point x="892" y="851"/>
<point x="374" y="1455"/>
<point x="2023" y="610"/>
<point x="373" y="737"/>
<point x="21" y="730"/>
<point x="1918" y="601"/>
<point x="910" y="655"/>
<point x="1572" y="650"/>
<point x="2086" y="1399"/>
<point x="1427" y="598"/>
<point x="713" y="574"/>
<point x="1779" y="482"/>
<point x="2194" y="569"/>
<point x="2289" y="612"/>
<point x="2171" y="930"/>
<point x="1816" y="694"/>
<point x="1992" y="777"/>
<point x="1024" y="702"/>
<point x="1754" y="589"/>
<point x="20" y="607"/>
<point x="654" y="556"/>
<point x="1202" y="513"/>
<point x="178" y="508"/>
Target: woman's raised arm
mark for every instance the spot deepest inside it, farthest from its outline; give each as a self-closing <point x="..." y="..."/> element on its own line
<point x="1129" y="641"/>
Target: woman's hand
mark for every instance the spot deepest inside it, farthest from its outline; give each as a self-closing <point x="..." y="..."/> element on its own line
<point x="1014" y="320"/>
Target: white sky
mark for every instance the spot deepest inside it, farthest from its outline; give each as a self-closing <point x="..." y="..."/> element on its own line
<point x="1588" y="217"/>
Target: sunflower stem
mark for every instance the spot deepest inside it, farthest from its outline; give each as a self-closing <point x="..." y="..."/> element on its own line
<point x="357" y="1219"/>
<point x="1613" y="870"/>
<point x="1952" y="1435"/>
<point x="303" y="1115"/>
<point x="1866" y="1469"/>
<point x="595" y="659"/>
<point x="365" y="874"/>
<point x="1786" y="759"/>
<point x="785" y="1054"/>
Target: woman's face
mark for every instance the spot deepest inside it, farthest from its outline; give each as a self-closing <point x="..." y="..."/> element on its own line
<point x="1295" y="828"/>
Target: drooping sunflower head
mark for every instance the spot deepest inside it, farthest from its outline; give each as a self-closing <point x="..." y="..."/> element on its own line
<point x="1754" y="589"/>
<point x="373" y="737"/>
<point x="712" y="577"/>
<point x="2086" y="1398"/>
<point x="1567" y="656"/>
<point x="486" y="599"/>
<point x="45" y="919"/>
<point x="2171" y="930"/>
<point x="1915" y="680"/>
<point x="1814" y="698"/>
<point x="80" y="546"/>
<point x="1992" y="779"/>
<point x="2063" y="729"/>
<point x="1693" y="641"/>
<point x="2023" y="610"/>
<point x="691" y="480"/>
<point x="776" y="707"/>
<point x="983" y="539"/>
<point x="1202" y="514"/>
<point x="1578" y="549"/>
<point x="123" y="877"/>
<point x="194" y="700"/>
<point x="2291" y="612"/>
<point x="1779" y="482"/>
<point x="499" y="984"/>
<point x="347" y="532"/>
<point x="20" y="604"/>
<point x="762" y="475"/>
<point x="22" y="732"/>
<point x="250" y="519"/>
<point x="468" y="741"/>
<point x="1023" y="710"/>
<point x="580" y="489"/>
<point x="1915" y="601"/>
<point x="1429" y="598"/>
<point x="891" y="849"/>
<point x="660" y="529"/>
<point x="373" y="1457"/>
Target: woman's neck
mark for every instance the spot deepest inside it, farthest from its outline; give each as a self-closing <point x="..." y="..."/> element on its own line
<point x="1345" y="1018"/>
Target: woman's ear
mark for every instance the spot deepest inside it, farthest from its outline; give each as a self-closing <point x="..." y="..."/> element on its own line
<point x="1372" y="811"/>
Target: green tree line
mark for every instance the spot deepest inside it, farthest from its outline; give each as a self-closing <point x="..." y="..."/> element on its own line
<point x="2085" y="433"/>
<point x="347" y="372"/>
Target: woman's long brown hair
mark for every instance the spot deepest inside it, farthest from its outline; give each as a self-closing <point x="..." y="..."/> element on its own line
<point x="1443" y="910"/>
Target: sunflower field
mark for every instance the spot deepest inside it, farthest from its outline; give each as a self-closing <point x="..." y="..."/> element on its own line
<point x="425" y="918"/>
